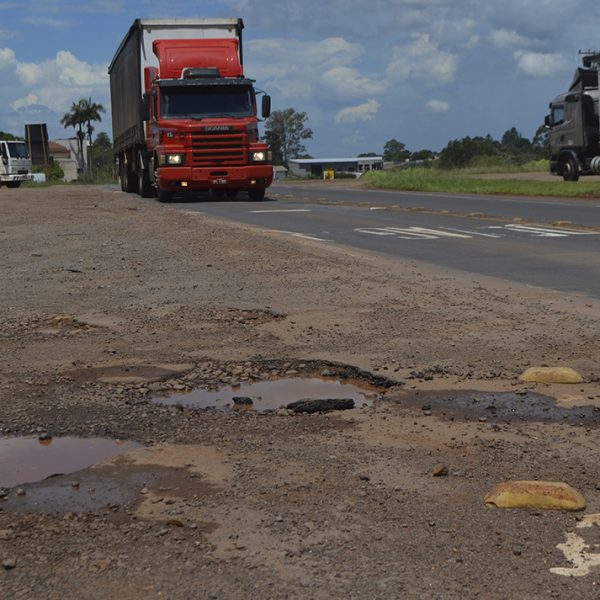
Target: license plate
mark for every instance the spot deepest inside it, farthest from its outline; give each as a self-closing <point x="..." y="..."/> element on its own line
<point x="219" y="181"/>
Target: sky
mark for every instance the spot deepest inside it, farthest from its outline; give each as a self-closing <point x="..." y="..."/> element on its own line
<point x="423" y="72"/>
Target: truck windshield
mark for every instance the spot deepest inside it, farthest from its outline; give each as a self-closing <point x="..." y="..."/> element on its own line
<point x="199" y="102"/>
<point x="18" y="149"/>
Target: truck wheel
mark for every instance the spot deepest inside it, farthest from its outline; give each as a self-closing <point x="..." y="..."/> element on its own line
<point x="128" y="179"/>
<point x="13" y="184"/>
<point x="569" y="169"/>
<point x="164" y="196"/>
<point x="145" y="188"/>
<point x="256" y="195"/>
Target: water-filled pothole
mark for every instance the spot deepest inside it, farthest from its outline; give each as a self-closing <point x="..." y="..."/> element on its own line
<point x="27" y="459"/>
<point x="265" y="396"/>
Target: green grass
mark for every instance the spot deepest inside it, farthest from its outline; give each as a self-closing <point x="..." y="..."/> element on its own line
<point x="466" y="182"/>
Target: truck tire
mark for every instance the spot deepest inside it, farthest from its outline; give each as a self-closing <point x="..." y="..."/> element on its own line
<point x="256" y="195"/>
<point x="13" y="184"/>
<point x="164" y="196"/>
<point x="570" y="171"/>
<point x="145" y="187"/>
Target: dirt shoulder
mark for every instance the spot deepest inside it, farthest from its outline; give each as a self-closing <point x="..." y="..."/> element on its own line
<point x="110" y="301"/>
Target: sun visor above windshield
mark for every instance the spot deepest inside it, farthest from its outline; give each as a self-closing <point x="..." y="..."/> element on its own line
<point x="176" y="55"/>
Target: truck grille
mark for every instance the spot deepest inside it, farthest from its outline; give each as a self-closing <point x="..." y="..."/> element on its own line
<point x="218" y="149"/>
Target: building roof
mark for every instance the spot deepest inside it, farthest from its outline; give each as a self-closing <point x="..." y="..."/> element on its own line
<point x="318" y="161"/>
<point x="56" y="149"/>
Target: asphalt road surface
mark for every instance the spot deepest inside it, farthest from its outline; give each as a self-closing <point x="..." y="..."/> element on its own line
<point x="552" y="243"/>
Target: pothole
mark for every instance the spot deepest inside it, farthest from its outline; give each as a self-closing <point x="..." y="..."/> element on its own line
<point x="499" y="407"/>
<point x="124" y="374"/>
<point x="27" y="459"/>
<point x="264" y="396"/>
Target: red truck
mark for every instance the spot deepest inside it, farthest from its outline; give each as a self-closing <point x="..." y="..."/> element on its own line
<point x="184" y="115"/>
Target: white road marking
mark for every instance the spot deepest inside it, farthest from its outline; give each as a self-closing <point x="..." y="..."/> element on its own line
<point x="378" y="208"/>
<point x="411" y="233"/>
<point x="305" y="236"/>
<point x="281" y="210"/>
<point x="546" y="231"/>
<point x="490" y="235"/>
<point x="577" y="551"/>
<point x="309" y="237"/>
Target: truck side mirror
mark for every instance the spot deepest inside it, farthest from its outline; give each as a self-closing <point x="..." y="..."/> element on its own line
<point x="266" y="106"/>
<point x="3" y="154"/>
<point x="547" y="122"/>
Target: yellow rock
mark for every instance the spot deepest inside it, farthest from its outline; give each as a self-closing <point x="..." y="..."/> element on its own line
<point x="550" y="495"/>
<point x="551" y="375"/>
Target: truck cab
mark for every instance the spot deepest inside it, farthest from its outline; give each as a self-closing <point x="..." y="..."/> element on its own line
<point x="15" y="163"/>
<point x="574" y="126"/>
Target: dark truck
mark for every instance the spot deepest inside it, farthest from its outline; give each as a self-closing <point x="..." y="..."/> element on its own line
<point x="184" y="115"/>
<point x="574" y="127"/>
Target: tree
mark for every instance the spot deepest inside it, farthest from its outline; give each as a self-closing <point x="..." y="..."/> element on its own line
<point x="461" y="153"/>
<point x="90" y="111"/>
<point x="83" y="113"/>
<point x="540" y="142"/>
<point x="422" y="155"/>
<point x="367" y="154"/>
<point x="9" y="137"/>
<point x="395" y="151"/>
<point x="74" y="118"/>
<point x="285" y="131"/>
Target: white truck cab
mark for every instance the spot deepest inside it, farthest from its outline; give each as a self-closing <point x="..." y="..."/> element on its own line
<point x="15" y="163"/>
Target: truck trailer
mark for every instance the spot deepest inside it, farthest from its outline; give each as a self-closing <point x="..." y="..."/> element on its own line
<point x="184" y="115"/>
<point x="15" y="163"/>
<point x="574" y="126"/>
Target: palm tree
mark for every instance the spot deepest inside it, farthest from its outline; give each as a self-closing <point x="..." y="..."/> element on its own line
<point x="83" y="113"/>
<point x="90" y="111"/>
<point x="75" y="118"/>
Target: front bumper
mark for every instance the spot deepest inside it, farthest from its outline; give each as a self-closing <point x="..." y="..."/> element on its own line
<point x="205" y="178"/>
<point x="9" y="178"/>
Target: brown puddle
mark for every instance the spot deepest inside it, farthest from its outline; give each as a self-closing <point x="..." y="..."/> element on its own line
<point x="270" y="395"/>
<point x="26" y="460"/>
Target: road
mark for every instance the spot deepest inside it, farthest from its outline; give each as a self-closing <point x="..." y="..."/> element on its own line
<point x="552" y="243"/>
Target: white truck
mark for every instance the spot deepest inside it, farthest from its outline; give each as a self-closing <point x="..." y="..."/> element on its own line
<point x="15" y="163"/>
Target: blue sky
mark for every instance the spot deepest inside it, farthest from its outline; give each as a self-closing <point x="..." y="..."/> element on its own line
<point x="420" y="71"/>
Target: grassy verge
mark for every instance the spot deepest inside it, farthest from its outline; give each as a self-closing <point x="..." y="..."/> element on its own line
<point x="460" y="182"/>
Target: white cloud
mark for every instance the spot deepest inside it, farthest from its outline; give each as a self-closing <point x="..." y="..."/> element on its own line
<point x="537" y="64"/>
<point x="423" y="60"/>
<point x="47" y="22"/>
<point x="7" y="58"/>
<point x="294" y="69"/>
<point x="437" y="106"/>
<point x="508" y="38"/>
<point x="28" y="100"/>
<point x="361" y="112"/>
<point x="348" y="82"/>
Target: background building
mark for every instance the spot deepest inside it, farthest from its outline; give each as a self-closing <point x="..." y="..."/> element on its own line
<point x="303" y="167"/>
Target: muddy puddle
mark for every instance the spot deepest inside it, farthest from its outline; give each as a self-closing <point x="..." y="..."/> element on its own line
<point x="500" y="407"/>
<point x="28" y="459"/>
<point x="264" y="396"/>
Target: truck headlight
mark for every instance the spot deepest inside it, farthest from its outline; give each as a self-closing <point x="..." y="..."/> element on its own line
<point x="174" y="160"/>
<point x="259" y="156"/>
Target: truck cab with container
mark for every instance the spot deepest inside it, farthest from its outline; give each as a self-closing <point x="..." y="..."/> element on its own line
<point x="574" y="126"/>
<point x="184" y="115"/>
<point x="15" y="163"/>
